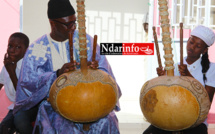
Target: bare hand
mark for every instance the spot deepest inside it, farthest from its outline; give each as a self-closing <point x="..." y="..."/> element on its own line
<point x="183" y="70"/>
<point x="160" y="71"/>
<point x="67" y="67"/>
<point x="93" y="64"/>
<point x="9" y="64"/>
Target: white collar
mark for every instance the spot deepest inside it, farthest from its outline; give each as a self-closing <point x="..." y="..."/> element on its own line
<point x="57" y="41"/>
<point x="57" y="60"/>
<point x="194" y="65"/>
<point x="19" y="63"/>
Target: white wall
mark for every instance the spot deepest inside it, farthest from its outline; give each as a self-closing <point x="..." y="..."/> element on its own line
<point x="35" y="21"/>
<point x="128" y="16"/>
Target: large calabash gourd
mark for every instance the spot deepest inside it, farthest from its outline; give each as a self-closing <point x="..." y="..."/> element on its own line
<point x="84" y="98"/>
<point x="174" y="102"/>
<point x="171" y="102"/>
<point x="83" y="95"/>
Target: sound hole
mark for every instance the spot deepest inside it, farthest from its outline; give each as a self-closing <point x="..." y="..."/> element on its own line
<point x="61" y="81"/>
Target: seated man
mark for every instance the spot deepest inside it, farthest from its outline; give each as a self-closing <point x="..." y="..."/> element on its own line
<point x="46" y="59"/>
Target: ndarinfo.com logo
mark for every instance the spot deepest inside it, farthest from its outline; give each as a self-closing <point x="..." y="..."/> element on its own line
<point x="127" y="48"/>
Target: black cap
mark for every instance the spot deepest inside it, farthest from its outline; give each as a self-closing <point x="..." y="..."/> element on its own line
<point x="59" y="9"/>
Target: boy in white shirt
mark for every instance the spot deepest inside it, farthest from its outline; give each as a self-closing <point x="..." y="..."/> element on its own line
<point x="17" y="46"/>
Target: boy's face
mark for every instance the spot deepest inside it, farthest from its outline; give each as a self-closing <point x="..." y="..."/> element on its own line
<point x="16" y="49"/>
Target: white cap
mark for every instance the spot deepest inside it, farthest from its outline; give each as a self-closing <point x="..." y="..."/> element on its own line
<point x="204" y="33"/>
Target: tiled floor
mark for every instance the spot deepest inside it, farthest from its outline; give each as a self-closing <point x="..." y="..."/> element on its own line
<point x="211" y="129"/>
<point x="138" y="128"/>
<point x="131" y="123"/>
<point x="131" y="120"/>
